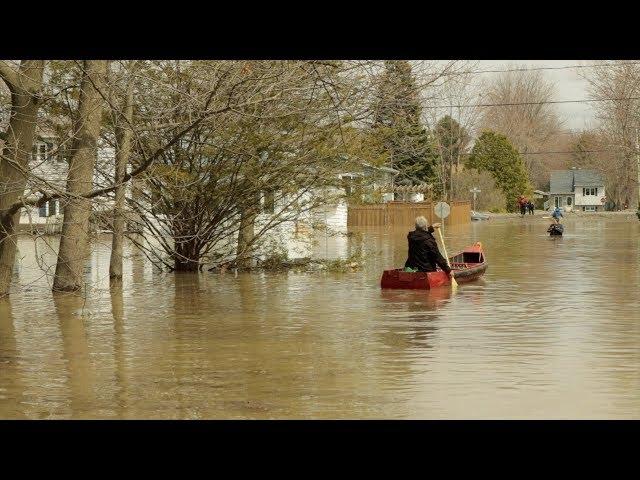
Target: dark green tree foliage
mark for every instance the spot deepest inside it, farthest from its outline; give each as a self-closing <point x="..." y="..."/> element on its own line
<point x="494" y="153"/>
<point x="408" y="145"/>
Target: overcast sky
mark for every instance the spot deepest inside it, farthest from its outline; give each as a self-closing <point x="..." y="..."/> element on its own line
<point x="569" y="86"/>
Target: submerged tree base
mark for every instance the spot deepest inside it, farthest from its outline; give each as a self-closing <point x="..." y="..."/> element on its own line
<point x="67" y="288"/>
<point x="277" y="264"/>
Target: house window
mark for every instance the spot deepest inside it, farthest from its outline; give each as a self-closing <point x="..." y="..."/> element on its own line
<point x="269" y="202"/>
<point x="49" y="209"/>
<point x="569" y="201"/>
<point x="62" y="155"/>
<point x="41" y="151"/>
<point x="590" y="191"/>
<point x="589" y="208"/>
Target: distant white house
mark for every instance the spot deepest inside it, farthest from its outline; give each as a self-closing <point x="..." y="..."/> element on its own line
<point x="577" y="190"/>
<point x="49" y="164"/>
<point x="295" y="236"/>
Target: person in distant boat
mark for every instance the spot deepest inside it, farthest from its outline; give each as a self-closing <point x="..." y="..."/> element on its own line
<point x="424" y="255"/>
<point x="557" y="213"/>
<point x="555" y="229"/>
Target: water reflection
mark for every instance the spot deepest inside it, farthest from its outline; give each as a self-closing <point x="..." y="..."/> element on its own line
<point x="119" y="348"/>
<point x="72" y="314"/>
<point x="11" y="384"/>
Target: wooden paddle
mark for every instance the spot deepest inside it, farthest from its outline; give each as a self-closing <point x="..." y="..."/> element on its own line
<point x="454" y="284"/>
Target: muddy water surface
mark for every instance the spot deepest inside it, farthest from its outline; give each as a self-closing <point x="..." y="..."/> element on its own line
<point x="553" y="331"/>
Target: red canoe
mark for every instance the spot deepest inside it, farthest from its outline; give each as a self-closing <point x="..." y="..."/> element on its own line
<point x="467" y="266"/>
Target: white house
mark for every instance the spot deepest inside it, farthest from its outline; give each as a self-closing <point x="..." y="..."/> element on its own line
<point x="578" y="190"/>
<point x="296" y="236"/>
<point x="48" y="163"/>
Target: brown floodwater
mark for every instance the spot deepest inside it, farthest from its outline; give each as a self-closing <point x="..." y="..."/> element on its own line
<point x="552" y="331"/>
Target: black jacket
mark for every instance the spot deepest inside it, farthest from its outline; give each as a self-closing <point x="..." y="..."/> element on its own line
<point x="423" y="252"/>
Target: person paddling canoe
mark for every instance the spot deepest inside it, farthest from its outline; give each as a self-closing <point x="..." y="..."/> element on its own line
<point x="424" y="255"/>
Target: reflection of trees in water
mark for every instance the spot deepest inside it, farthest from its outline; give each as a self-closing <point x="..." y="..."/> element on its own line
<point x="187" y="364"/>
<point x="11" y="382"/>
<point x="138" y="283"/>
<point x="81" y="374"/>
<point x="117" y="311"/>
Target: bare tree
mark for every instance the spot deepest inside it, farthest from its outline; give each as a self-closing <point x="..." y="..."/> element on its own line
<point x="453" y="126"/>
<point x="25" y="85"/>
<point x="75" y="230"/>
<point x="618" y="89"/>
<point x="521" y="112"/>
<point x="123" y="129"/>
<point x="287" y="136"/>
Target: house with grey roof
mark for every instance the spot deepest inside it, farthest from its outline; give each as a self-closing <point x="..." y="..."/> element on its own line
<point x="577" y="190"/>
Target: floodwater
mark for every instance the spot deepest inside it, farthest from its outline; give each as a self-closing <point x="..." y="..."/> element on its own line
<point x="552" y="331"/>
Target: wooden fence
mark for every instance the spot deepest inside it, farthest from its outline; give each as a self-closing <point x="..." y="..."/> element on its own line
<point x="403" y="214"/>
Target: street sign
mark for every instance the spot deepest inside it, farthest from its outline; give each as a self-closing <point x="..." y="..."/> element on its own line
<point x="442" y="209"/>
<point x="475" y="191"/>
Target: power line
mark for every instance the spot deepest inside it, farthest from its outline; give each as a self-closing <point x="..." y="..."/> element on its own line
<point x="574" y="152"/>
<point x="527" y="69"/>
<point x="561" y="152"/>
<point x="588" y="100"/>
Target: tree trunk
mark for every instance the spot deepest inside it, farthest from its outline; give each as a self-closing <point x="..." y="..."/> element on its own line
<point x="74" y="244"/>
<point x="246" y="233"/>
<point x="187" y="256"/>
<point x="123" y="146"/>
<point x="15" y="156"/>
<point x="450" y="179"/>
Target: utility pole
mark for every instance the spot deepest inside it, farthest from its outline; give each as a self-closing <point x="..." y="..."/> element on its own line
<point x="475" y="191"/>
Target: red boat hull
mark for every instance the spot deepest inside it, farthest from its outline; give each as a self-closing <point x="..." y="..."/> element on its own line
<point x="467" y="266"/>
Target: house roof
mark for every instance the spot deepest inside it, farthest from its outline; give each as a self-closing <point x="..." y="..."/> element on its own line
<point x="561" y="181"/>
<point x="587" y="178"/>
<point x="564" y="181"/>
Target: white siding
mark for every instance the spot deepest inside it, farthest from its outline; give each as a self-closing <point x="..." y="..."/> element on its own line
<point x="562" y="202"/>
<point x="596" y="200"/>
<point x="55" y="173"/>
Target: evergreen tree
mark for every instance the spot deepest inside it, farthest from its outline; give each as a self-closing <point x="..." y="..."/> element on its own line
<point x="494" y="153"/>
<point x="408" y="145"/>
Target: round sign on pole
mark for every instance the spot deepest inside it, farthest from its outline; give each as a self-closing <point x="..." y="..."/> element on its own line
<point x="442" y="209"/>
